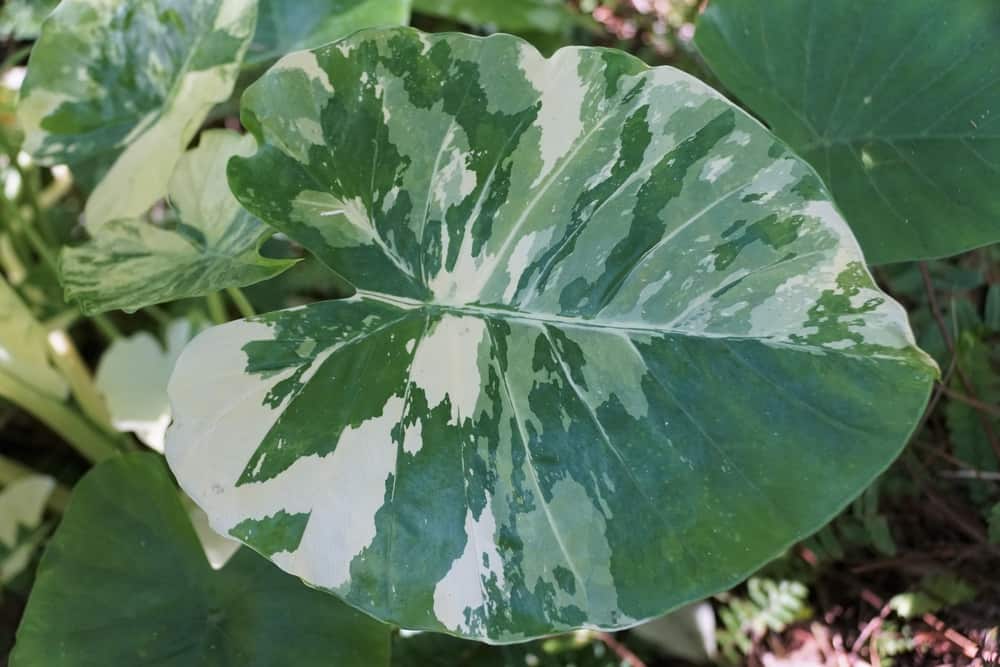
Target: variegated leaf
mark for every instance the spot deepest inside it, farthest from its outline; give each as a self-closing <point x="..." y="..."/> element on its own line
<point x="22" y="19"/>
<point x="130" y="264"/>
<point x="135" y="77"/>
<point x="284" y="26"/>
<point x="612" y="346"/>
<point x="24" y="349"/>
<point x="124" y="582"/>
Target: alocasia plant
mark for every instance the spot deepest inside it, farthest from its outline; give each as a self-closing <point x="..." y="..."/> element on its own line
<point x="896" y="104"/>
<point x="612" y="347"/>
<point x="130" y="81"/>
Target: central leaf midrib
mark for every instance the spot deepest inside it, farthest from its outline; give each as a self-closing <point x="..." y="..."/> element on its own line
<point x="563" y="321"/>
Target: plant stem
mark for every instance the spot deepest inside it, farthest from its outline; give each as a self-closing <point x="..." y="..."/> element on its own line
<point x="65" y="356"/>
<point x="242" y="302"/>
<point x="216" y="309"/>
<point x="158" y="315"/>
<point x="106" y="327"/>
<point x="75" y="429"/>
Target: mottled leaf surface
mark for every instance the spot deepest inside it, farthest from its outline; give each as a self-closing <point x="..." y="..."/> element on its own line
<point x="896" y="104"/>
<point x="124" y="581"/>
<point x="612" y="347"/>
<point x="283" y="27"/>
<point x="24" y="348"/>
<point x="132" y="78"/>
<point x="132" y="263"/>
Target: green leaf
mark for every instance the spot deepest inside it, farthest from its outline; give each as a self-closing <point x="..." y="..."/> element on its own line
<point x="994" y="524"/>
<point x="135" y="77"/>
<point x="609" y="340"/>
<point x="897" y="105"/>
<point x="130" y="264"/>
<point x="22" y="19"/>
<point x="547" y="16"/>
<point x="284" y="26"/>
<point x="24" y="349"/>
<point x="22" y="505"/>
<point x="124" y="581"/>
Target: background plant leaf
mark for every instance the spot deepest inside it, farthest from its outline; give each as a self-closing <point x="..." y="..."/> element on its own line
<point x="125" y="557"/>
<point x="283" y="27"/>
<point x="135" y="77"/>
<point x="129" y="264"/>
<point x="600" y="312"/>
<point x="544" y="16"/>
<point x="895" y="104"/>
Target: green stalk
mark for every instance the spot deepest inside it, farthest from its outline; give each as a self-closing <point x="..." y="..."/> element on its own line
<point x="75" y="429"/>
<point x="242" y="302"/>
<point x="66" y="358"/>
<point x="216" y="309"/>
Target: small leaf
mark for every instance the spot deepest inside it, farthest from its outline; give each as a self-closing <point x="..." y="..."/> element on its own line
<point x="134" y="78"/>
<point x="24" y="351"/>
<point x="545" y="16"/>
<point x="611" y="348"/>
<point x="133" y="376"/>
<point x="124" y="581"/>
<point x="284" y="26"/>
<point x="22" y="504"/>
<point x="130" y="264"/>
<point x="896" y="104"/>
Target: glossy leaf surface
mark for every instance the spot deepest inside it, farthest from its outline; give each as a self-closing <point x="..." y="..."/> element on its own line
<point x="134" y="79"/>
<point x="129" y="264"/>
<point x="897" y="105"/>
<point x="124" y="581"/>
<point x="612" y="346"/>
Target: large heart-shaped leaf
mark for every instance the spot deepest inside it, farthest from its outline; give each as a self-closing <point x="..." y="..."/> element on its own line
<point x="612" y="347"/>
<point x="124" y="581"/>
<point x="135" y="77"/>
<point x="130" y="264"/>
<point x="896" y="104"/>
<point x="290" y="26"/>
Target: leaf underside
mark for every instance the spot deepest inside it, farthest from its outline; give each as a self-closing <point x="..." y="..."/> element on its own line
<point x="601" y="315"/>
<point x="895" y="104"/>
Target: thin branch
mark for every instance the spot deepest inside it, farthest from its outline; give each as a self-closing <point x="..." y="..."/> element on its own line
<point x="622" y="651"/>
